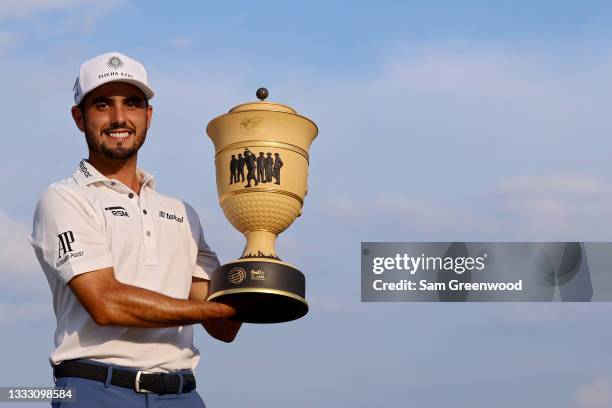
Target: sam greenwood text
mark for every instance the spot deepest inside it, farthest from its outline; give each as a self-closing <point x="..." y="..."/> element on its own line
<point x="414" y="264"/>
<point x="423" y="284"/>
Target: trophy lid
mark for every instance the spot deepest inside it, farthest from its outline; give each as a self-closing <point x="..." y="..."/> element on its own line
<point x="262" y="105"/>
<point x="262" y="120"/>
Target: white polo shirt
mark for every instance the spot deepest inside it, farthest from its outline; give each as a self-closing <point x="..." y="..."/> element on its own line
<point x="153" y="241"/>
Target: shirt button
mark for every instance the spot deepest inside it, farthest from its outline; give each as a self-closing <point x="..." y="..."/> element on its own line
<point x="148" y="233"/>
<point x="131" y="195"/>
<point x="144" y="212"/>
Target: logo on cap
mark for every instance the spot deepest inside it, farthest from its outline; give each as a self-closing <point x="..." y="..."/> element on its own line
<point x="114" y="62"/>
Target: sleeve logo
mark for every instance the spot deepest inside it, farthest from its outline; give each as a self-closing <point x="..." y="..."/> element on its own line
<point x="64" y="248"/>
<point x="65" y="239"/>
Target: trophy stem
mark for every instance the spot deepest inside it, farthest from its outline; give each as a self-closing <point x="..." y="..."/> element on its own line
<point x="260" y="244"/>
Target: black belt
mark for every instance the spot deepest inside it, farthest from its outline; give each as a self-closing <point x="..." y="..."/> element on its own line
<point x="140" y="381"/>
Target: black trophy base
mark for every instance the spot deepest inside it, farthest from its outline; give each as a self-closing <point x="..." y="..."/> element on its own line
<point x="263" y="291"/>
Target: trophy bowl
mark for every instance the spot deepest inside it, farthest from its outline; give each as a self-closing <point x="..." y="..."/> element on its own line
<point x="261" y="161"/>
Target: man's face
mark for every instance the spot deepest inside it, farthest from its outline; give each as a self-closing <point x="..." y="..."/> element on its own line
<point x="115" y="119"/>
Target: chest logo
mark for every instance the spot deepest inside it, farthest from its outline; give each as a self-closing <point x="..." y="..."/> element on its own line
<point x="117" y="211"/>
<point x="169" y="216"/>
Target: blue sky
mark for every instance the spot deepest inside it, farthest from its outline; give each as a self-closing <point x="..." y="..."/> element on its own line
<point x="444" y="120"/>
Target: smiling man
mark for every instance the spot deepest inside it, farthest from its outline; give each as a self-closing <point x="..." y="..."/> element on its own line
<point x="128" y="267"/>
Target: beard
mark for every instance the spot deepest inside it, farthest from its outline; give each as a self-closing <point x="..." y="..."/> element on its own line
<point x="97" y="144"/>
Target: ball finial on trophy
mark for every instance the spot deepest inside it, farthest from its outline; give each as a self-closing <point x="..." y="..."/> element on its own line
<point x="261" y="160"/>
<point x="262" y="94"/>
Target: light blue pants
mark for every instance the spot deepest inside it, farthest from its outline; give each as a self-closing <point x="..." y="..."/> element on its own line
<point x="96" y="394"/>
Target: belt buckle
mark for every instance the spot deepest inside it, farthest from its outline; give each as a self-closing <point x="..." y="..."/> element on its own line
<point x="137" y="382"/>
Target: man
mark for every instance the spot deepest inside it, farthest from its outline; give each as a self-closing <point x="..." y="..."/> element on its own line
<point x="233" y="169"/>
<point x="251" y="164"/>
<point x="127" y="266"/>
<point x="269" y="164"/>
<point x="241" y="164"/>
<point x="278" y="163"/>
<point x="260" y="168"/>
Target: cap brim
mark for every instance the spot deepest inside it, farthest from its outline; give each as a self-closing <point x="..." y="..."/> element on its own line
<point x="146" y="90"/>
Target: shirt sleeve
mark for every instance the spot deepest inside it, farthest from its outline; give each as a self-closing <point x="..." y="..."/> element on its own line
<point x="68" y="236"/>
<point x="206" y="260"/>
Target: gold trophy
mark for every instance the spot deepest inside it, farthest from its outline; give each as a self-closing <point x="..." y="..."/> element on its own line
<point x="261" y="159"/>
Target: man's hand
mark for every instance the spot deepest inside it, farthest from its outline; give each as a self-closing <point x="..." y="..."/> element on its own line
<point x="222" y="329"/>
<point x="111" y="302"/>
<point x="226" y="311"/>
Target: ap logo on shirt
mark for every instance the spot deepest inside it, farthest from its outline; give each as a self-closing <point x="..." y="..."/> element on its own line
<point x="64" y="249"/>
<point x="65" y="239"/>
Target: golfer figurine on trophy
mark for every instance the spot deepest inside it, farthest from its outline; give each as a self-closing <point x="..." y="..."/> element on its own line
<point x="271" y="142"/>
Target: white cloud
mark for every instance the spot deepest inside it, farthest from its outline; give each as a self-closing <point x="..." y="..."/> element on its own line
<point x="22" y="276"/>
<point x="535" y="314"/>
<point x="180" y="42"/>
<point x="558" y="186"/>
<point x="16" y="254"/>
<point x="447" y="84"/>
<point x="526" y="208"/>
<point x="559" y="207"/>
<point x="26" y="8"/>
<point x="410" y="218"/>
<point x="597" y="394"/>
<point x="27" y="312"/>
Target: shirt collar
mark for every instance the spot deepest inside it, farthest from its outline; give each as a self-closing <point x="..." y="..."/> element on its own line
<point x="146" y="178"/>
<point x="86" y="174"/>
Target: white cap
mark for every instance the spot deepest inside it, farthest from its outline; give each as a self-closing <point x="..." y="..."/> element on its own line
<point x="110" y="67"/>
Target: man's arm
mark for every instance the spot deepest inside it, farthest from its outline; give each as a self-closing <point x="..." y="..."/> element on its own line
<point x="221" y="329"/>
<point x="111" y="302"/>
